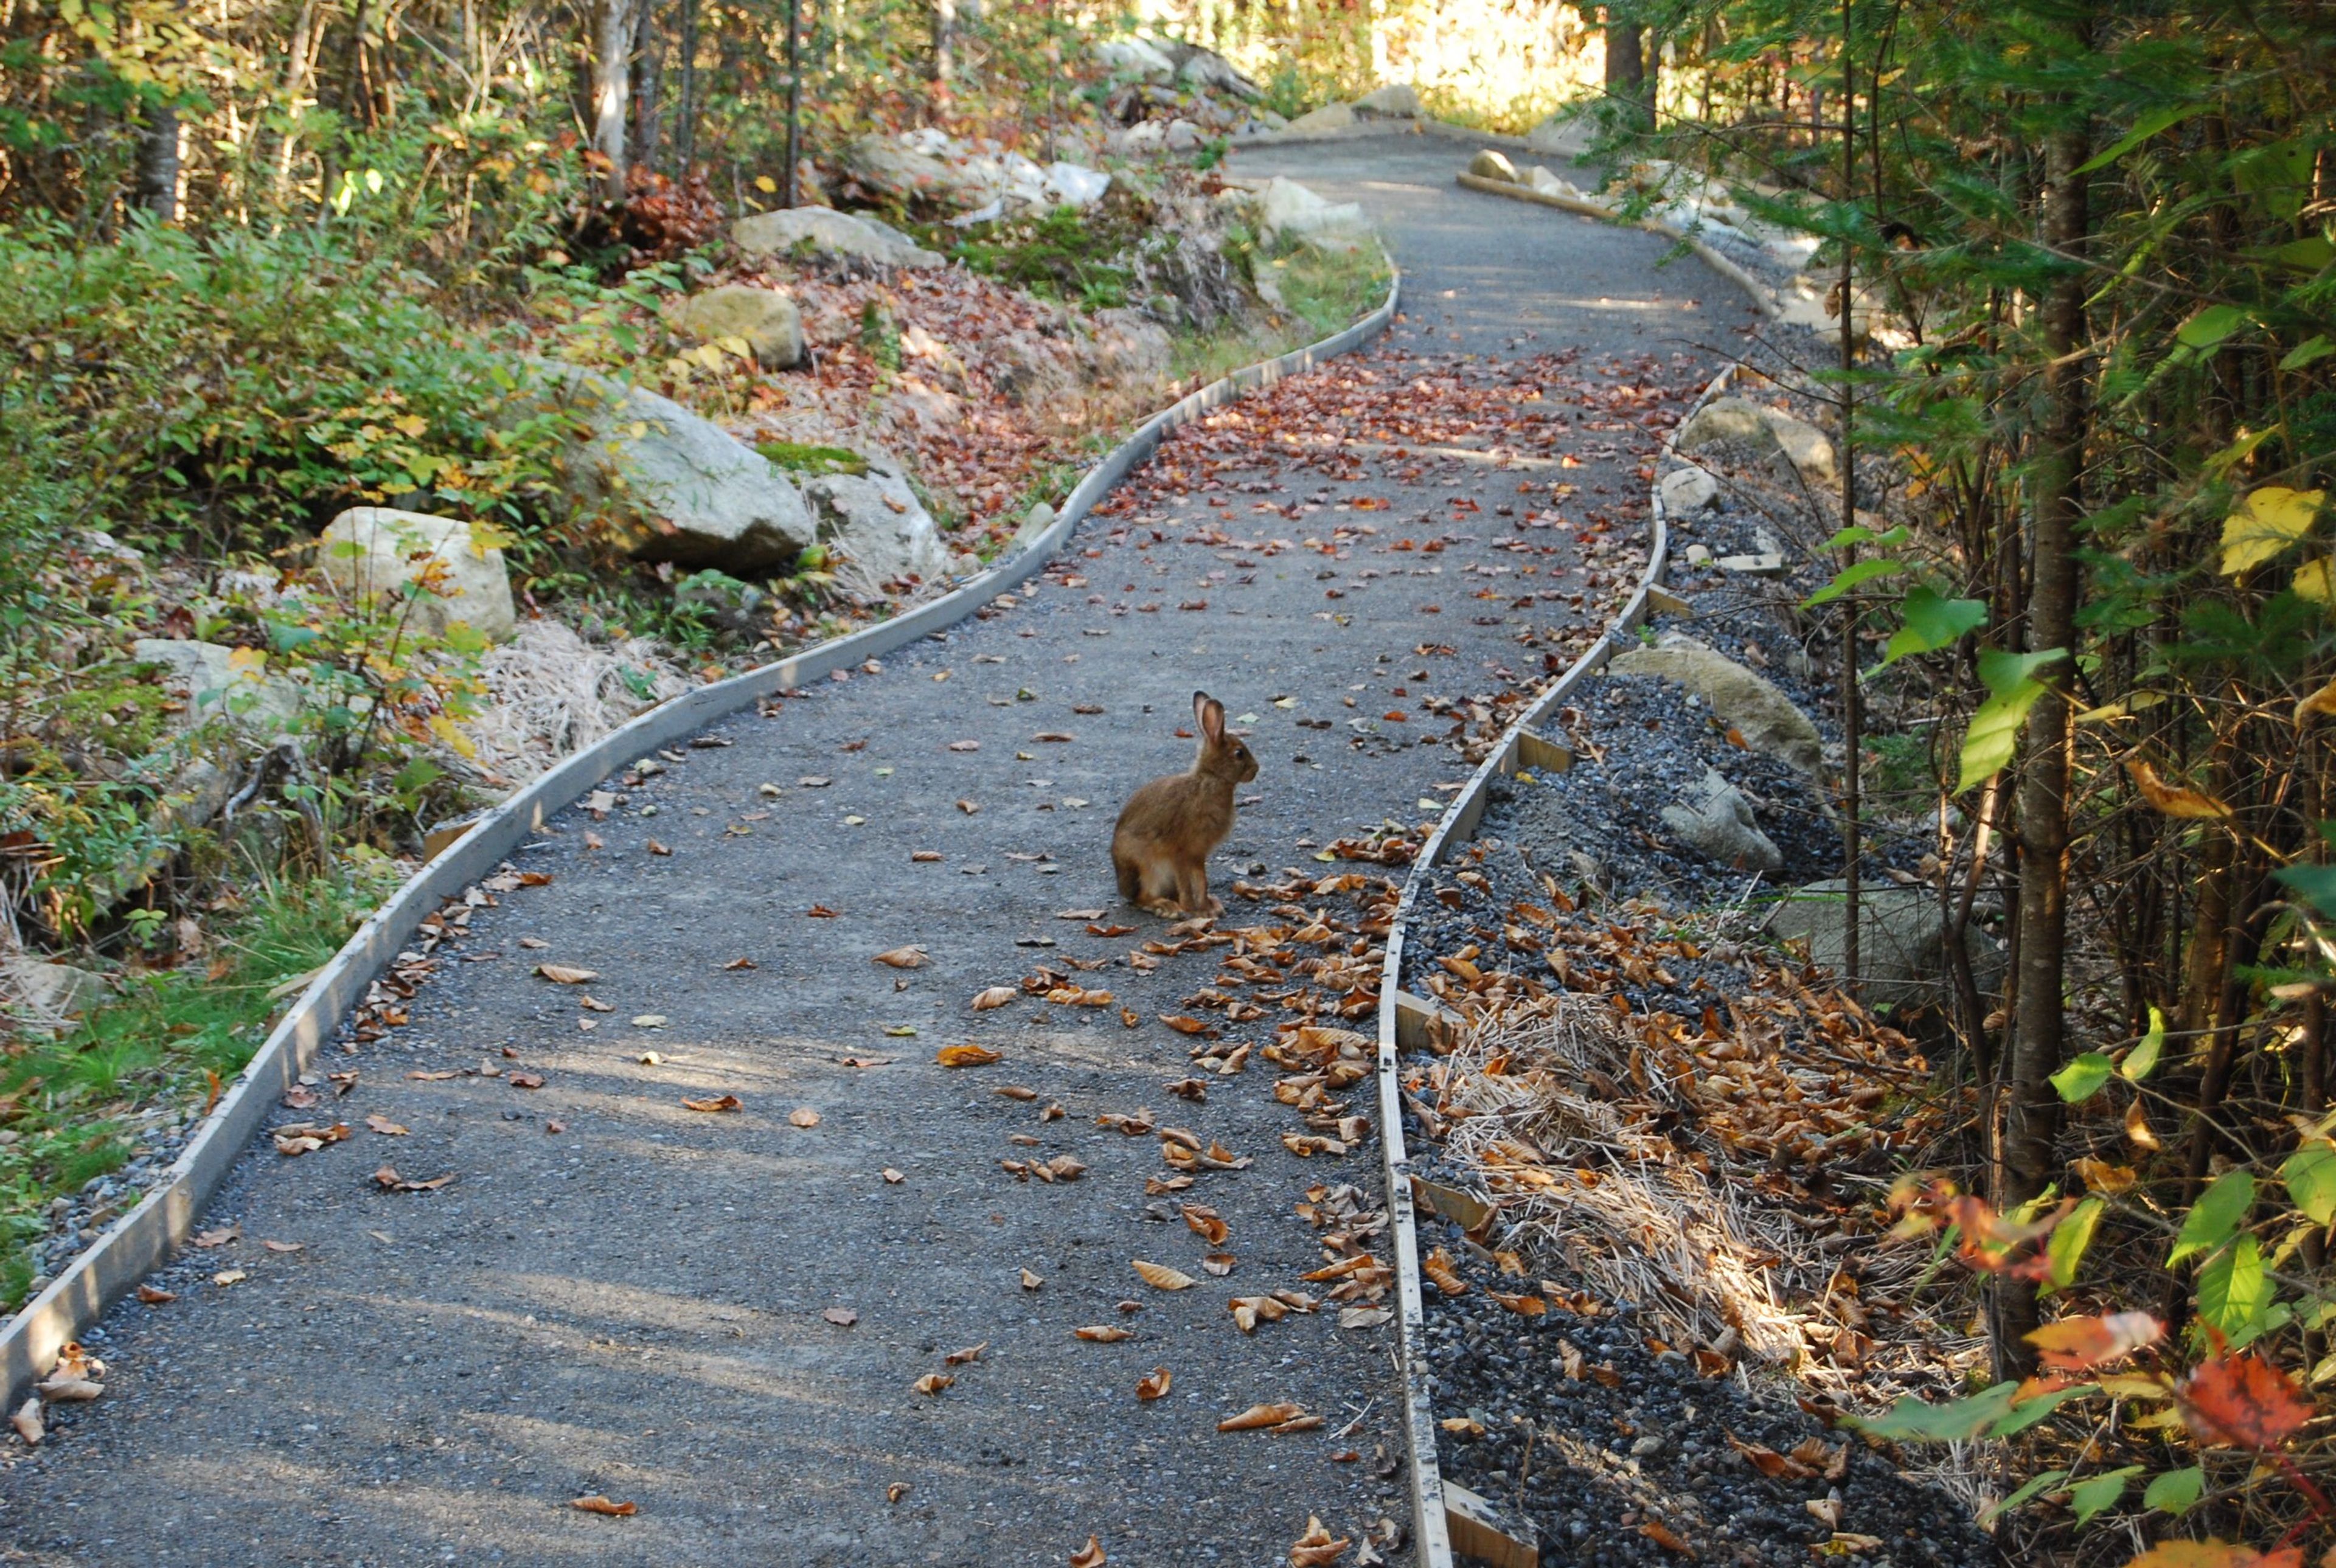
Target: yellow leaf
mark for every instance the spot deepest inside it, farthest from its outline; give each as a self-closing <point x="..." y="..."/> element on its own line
<point x="767" y="185"/>
<point x="1161" y="1277"/>
<point x="2320" y="701"/>
<point x="247" y="662"/>
<point x="2173" y="800"/>
<point x="734" y="346"/>
<point x="2271" y="518"/>
<point x="444" y="728"/>
<point x="412" y="424"/>
<point x="2312" y="582"/>
<point x="2124" y="707"/>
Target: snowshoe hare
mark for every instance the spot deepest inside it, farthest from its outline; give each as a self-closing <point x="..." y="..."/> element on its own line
<point x="1161" y="846"/>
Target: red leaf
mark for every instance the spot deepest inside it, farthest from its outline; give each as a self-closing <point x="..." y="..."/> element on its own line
<point x="2243" y="1401"/>
<point x="2074" y="1344"/>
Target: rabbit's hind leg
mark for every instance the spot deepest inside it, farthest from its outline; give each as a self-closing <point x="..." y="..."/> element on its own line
<point x="1192" y="890"/>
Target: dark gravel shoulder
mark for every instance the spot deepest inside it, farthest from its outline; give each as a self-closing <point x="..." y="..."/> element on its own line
<point x="722" y="1316"/>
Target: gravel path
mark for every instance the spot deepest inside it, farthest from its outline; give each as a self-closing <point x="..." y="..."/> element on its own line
<point x="719" y="1316"/>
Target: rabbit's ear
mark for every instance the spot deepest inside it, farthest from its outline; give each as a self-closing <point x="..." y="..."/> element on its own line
<point x="1212" y="715"/>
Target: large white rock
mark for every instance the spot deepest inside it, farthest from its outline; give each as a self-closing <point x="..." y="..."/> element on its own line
<point x="1715" y="817"/>
<point x="211" y="681"/>
<point x="1901" y="942"/>
<point x="766" y="320"/>
<point x="1555" y="136"/>
<point x="1396" y="100"/>
<point x="875" y="522"/>
<point x="1329" y="117"/>
<point x="1746" y="701"/>
<point x="1739" y="421"/>
<point x="1493" y="164"/>
<point x="1210" y="72"/>
<point x="1687" y="491"/>
<point x="680" y="488"/>
<point x="822" y="231"/>
<point x="1133" y="57"/>
<point x="1288" y="209"/>
<point x="380" y="552"/>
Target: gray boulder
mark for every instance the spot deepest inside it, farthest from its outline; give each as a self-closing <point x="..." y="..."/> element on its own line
<point x="1718" y="821"/>
<point x="902" y="169"/>
<point x="875" y="522"/>
<point x="380" y="552"/>
<point x="764" y="319"/>
<point x="679" y="488"/>
<point x="1396" y="100"/>
<point x="1289" y="211"/>
<point x="1125" y="351"/>
<point x="1556" y="136"/>
<point x="1493" y="164"/>
<point x="1207" y="70"/>
<point x="214" y="682"/>
<point x="1739" y="422"/>
<point x="822" y="231"/>
<point x="1329" y="117"/>
<point x="1687" y="491"/>
<point x="1749" y="701"/>
<point x="1902" y="939"/>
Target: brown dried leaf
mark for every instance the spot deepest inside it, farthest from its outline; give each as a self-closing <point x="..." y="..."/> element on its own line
<point x="1031" y="1282"/>
<point x="1159" y="1277"/>
<point x="932" y="1383"/>
<point x="990" y="997"/>
<point x="1207" y="1224"/>
<point x="597" y="1503"/>
<point x="389" y="1181"/>
<point x="1318" y="1548"/>
<point x="722" y="1102"/>
<point x="842" y="1317"/>
<point x="1090" y="1555"/>
<point x="972" y="1353"/>
<point x="566" y="974"/>
<point x="385" y="1126"/>
<point x="908" y="958"/>
<point x="803" y="1117"/>
<point x="965" y="1056"/>
<point x="1663" y="1535"/>
<point x="1103" y="1333"/>
<point x="155" y="1296"/>
<point x="1258" y="1417"/>
<point x="1156" y="1385"/>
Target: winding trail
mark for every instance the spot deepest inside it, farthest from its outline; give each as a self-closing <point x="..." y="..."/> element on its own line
<point x="638" y="1304"/>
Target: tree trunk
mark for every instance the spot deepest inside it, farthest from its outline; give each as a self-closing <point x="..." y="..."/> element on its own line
<point x="795" y="97"/>
<point x="685" y="131"/>
<point x="2033" y="1124"/>
<point x="611" y="88"/>
<point x="649" y="59"/>
<point x="157" y="162"/>
<point x="1626" y="64"/>
<point x="944" y="48"/>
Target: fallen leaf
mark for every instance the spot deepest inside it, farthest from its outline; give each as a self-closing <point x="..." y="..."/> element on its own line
<point x="1318" y="1547"/>
<point x="896" y="1491"/>
<point x="722" y="1102"/>
<point x="219" y="1238"/>
<point x="821" y="912"/>
<point x="1031" y="1282"/>
<point x="229" y="1277"/>
<point x="1363" y="1317"/>
<point x="972" y="1353"/>
<point x="1103" y="1333"/>
<point x="640" y="1021"/>
<point x="27" y="1422"/>
<point x="965" y="1056"/>
<point x="286" y="1246"/>
<point x="1437" y="1267"/>
<point x="2243" y="1401"/>
<point x="803" y="1117"/>
<point x="1219" y="1263"/>
<point x="657" y="848"/>
<point x="1206" y="1224"/>
<point x="1090" y="1555"/>
<point x="1016" y="1092"/>
<point x="1078" y="914"/>
<point x="389" y="1181"/>
<point x="385" y="1126"/>
<point x="1155" y="1386"/>
<point x="932" y="1383"/>
<point x="990" y="997"/>
<point x="739" y="964"/>
<point x="1663" y="1535"/>
<point x="1528" y="1306"/>
<point x="68" y="1390"/>
<point x="2079" y="1344"/>
<point x="925" y="856"/>
<point x="1183" y="1025"/>
<point x="1258" y="1417"/>
<point x="597" y="1503"/>
<point x="842" y="1317"/>
<point x="566" y="975"/>
<point x="592" y="1004"/>
<point x="1162" y="1277"/>
<point x="910" y="958"/>
<point x="527" y="1080"/>
<point x="154" y="1296"/>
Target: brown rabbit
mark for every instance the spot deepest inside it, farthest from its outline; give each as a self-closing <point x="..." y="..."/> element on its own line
<point x="1161" y="847"/>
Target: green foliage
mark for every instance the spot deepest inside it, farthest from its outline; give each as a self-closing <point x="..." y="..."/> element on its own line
<point x="70" y="1099"/>
<point x="799" y="458"/>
